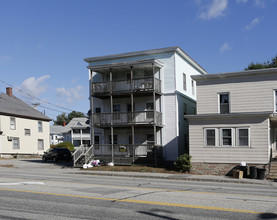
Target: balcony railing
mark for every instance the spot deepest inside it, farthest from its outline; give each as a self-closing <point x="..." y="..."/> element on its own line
<point x="123" y="118"/>
<point x="122" y="150"/>
<point x="145" y="84"/>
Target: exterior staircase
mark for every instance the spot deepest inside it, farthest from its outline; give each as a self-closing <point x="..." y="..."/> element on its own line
<point x="82" y="155"/>
<point x="273" y="169"/>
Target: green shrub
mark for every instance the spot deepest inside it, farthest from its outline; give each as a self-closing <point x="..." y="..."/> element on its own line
<point x="68" y="145"/>
<point x="183" y="163"/>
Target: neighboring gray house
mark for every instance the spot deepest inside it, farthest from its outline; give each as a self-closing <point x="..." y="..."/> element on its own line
<point x="23" y="129"/>
<point x="236" y="120"/>
<point x="77" y="131"/>
<point x="56" y="134"/>
<point x="138" y="101"/>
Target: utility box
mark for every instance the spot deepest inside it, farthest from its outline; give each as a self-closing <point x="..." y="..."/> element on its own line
<point x="238" y="174"/>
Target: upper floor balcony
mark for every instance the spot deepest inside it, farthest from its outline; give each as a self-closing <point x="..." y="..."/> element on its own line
<point x="126" y="86"/>
<point x="127" y="118"/>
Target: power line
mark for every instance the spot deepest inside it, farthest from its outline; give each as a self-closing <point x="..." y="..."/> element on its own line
<point x="36" y="97"/>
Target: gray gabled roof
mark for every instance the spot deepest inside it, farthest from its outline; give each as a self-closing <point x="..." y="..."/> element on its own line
<point x="56" y="129"/>
<point x="13" y="106"/>
<point x="76" y="123"/>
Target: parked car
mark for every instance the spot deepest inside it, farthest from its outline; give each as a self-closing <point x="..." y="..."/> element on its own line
<point x="57" y="154"/>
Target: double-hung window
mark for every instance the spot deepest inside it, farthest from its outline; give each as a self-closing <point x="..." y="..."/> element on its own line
<point x="12" y="123"/>
<point x="226" y="137"/>
<point x="243" y="137"/>
<point x="16" y="145"/>
<point x="210" y="136"/>
<point x="40" y="144"/>
<point x="224" y="103"/>
<point x="40" y="126"/>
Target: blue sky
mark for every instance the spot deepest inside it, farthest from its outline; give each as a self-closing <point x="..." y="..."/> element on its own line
<point x="43" y="42"/>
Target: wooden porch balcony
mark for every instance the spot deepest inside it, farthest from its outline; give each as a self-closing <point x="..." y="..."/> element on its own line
<point x="126" y="86"/>
<point x="123" y="150"/>
<point x="127" y="118"/>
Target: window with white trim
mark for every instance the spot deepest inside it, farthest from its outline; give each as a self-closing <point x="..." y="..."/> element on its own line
<point x="27" y="132"/>
<point x="227" y="137"/>
<point x="243" y="136"/>
<point x="224" y="103"/>
<point x="16" y="145"/>
<point x="275" y="100"/>
<point x="40" y="126"/>
<point x="40" y="144"/>
<point x="210" y="136"/>
<point x="12" y="123"/>
<point x="192" y="87"/>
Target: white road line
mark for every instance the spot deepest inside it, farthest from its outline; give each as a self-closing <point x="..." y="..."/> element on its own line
<point x="21" y="183"/>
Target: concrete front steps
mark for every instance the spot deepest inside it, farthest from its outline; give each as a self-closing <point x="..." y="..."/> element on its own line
<point x="273" y="169"/>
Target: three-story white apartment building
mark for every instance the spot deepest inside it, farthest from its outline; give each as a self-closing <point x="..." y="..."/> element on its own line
<point x="138" y="101"/>
<point x="236" y="120"/>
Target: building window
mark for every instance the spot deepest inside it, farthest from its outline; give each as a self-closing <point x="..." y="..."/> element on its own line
<point x="27" y="132"/>
<point x="149" y="108"/>
<point x="275" y="100"/>
<point x="226" y="137"/>
<point x="210" y="136"/>
<point x="97" y="110"/>
<point x="114" y="139"/>
<point x="116" y="110"/>
<point x="192" y="87"/>
<point x="12" y="124"/>
<point x="40" y="126"/>
<point x="184" y="82"/>
<point x="130" y="139"/>
<point x="16" y="145"/>
<point x="243" y="136"/>
<point x="224" y="107"/>
<point x="40" y="144"/>
<point x="150" y="139"/>
<point x="96" y="139"/>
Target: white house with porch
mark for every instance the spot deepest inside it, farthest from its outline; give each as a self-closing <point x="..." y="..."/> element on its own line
<point x="138" y="101"/>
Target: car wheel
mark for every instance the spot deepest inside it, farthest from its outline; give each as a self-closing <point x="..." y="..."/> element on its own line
<point x="44" y="159"/>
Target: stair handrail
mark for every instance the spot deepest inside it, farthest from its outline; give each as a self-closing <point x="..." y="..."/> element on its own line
<point x="89" y="153"/>
<point x="78" y="153"/>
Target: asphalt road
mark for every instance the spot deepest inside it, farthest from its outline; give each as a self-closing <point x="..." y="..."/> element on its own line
<point x="30" y="189"/>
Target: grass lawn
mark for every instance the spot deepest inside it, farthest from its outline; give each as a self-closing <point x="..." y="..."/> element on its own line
<point x="133" y="168"/>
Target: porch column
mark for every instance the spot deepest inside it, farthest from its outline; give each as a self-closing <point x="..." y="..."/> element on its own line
<point x="111" y="98"/>
<point x="132" y="114"/>
<point x="81" y="135"/>
<point x="155" y="115"/>
<point x="91" y="109"/>
<point x="71" y="135"/>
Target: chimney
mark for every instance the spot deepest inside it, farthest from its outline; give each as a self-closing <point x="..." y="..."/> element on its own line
<point x="9" y="91"/>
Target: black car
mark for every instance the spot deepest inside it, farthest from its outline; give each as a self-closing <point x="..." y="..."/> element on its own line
<point x="57" y="154"/>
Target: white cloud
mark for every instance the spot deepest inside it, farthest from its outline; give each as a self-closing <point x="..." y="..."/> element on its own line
<point x="253" y="23"/>
<point x="259" y="3"/>
<point x="5" y="59"/>
<point x="34" y="86"/>
<point x="225" y="47"/>
<point x="70" y="94"/>
<point x="214" y="10"/>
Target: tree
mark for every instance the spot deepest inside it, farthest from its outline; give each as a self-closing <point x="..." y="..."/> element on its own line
<point x="267" y="64"/>
<point x="63" y="119"/>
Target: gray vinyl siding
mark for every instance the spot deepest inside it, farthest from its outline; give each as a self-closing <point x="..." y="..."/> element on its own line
<point x="247" y="94"/>
<point x="258" y="152"/>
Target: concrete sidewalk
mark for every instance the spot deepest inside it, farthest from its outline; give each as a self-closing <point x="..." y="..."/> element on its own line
<point x="184" y="177"/>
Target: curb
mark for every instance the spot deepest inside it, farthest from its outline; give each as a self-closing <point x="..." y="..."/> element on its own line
<point x="173" y="178"/>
